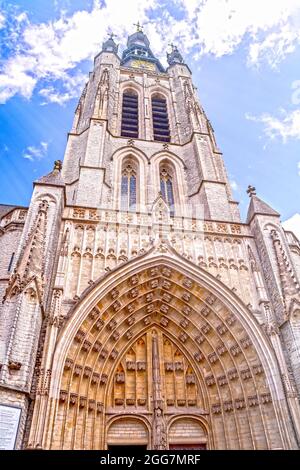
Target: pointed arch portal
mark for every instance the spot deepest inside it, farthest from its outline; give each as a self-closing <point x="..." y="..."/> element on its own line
<point x="161" y="351"/>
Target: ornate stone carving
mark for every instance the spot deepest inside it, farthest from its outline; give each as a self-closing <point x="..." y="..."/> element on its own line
<point x="216" y="409"/>
<point x="228" y="406"/>
<point x="246" y="374"/>
<point x="210" y="380"/>
<point x="212" y="357"/>
<point x="183" y="337"/>
<point x="232" y="374"/>
<point x="239" y="403"/>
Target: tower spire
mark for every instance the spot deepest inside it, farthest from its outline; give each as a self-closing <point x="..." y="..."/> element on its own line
<point x="139" y="27"/>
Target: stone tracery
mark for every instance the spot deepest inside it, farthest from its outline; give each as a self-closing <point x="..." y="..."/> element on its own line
<point x="208" y="365"/>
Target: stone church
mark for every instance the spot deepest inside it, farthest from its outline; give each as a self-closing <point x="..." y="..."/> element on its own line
<point x="137" y="309"/>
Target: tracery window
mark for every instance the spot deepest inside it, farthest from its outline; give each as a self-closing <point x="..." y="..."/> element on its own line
<point x="161" y="129"/>
<point x="129" y="187"/>
<point x="130" y="115"/>
<point x="166" y="188"/>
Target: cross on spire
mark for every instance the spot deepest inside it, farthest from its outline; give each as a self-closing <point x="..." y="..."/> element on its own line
<point x="139" y="27"/>
<point x="251" y="191"/>
<point x="112" y="35"/>
<point x="174" y="48"/>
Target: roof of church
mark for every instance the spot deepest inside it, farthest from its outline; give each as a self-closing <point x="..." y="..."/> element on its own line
<point x="53" y="178"/>
<point x="257" y="206"/>
<point x="6" y="208"/>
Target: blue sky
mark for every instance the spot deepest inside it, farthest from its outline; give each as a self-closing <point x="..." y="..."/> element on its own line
<point x="244" y="56"/>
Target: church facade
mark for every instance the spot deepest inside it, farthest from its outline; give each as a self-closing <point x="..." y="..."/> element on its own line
<point x="138" y="309"/>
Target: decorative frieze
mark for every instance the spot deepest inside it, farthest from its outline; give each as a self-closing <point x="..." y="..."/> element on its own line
<point x="253" y="400"/>
<point x="87" y="372"/>
<point x="246" y="342"/>
<point x="199" y="339"/>
<point x="186" y="296"/>
<point x="166" y="285"/>
<point x="228" y="406"/>
<point x="80" y="335"/>
<point x="190" y="379"/>
<point x="206" y="328"/>
<point x="73" y="399"/>
<point x="186" y="310"/>
<point x="130" y="321"/>
<point x="164" y="321"/>
<point x="199" y="356"/>
<point x="266" y="398"/>
<point x="130" y="365"/>
<point x="257" y="369"/>
<point x="210" y="380"/>
<point x="212" y="357"/>
<point x="222" y="380"/>
<point x="183" y="337"/>
<point x="77" y="369"/>
<point x="114" y="354"/>
<point x="166" y="297"/>
<point x="205" y="311"/>
<point x="232" y="374"/>
<point x="99" y="324"/>
<point x="239" y="403"/>
<point x="86" y="345"/>
<point x="141" y="365"/>
<point x="97" y="346"/>
<point x="169" y="366"/>
<point x="184" y="323"/>
<point x="95" y="378"/>
<point x="216" y="409"/>
<point x="129" y="334"/>
<point x="230" y="320"/>
<point x="187" y="283"/>
<point x="69" y="363"/>
<point x="164" y="308"/>
<point x="63" y="395"/>
<point x="103" y="379"/>
<point x="112" y="324"/>
<point x="221" y="329"/>
<point x="235" y="350"/>
<point x="246" y="374"/>
<point x="221" y="349"/>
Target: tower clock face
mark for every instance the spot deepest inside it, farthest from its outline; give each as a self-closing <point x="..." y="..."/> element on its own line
<point x="143" y="64"/>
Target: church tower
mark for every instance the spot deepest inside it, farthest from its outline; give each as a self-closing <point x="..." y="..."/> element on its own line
<point x="137" y="308"/>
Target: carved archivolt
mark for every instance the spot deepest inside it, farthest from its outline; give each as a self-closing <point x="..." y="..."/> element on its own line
<point x="206" y="364"/>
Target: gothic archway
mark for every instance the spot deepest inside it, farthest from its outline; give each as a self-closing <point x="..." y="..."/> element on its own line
<point x="227" y="374"/>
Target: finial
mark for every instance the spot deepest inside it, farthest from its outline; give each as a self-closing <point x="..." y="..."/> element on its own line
<point x="251" y="191"/>
<point x="57" y="165"/>
<point x="139" y="27"/>
<point x="174" y="48"/>
<point x="112" y="35"/>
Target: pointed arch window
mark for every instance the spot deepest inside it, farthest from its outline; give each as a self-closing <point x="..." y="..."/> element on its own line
<point x="161" y="129"/>
<point x="166" y="188"/>
<point x="129" y="187"/>
<point x="130" y="115"/>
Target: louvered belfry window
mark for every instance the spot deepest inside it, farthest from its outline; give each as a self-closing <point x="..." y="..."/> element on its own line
<point x="161" y="130"/>
<point x="130" y="115"/>
<point x="128" y="189"/>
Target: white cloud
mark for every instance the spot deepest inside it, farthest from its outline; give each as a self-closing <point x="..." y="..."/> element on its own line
<point x="285" y="127"/>
<point x="293" y="225"/>
<point x="50" y="51"/>
<point x="2" y="20"/>
<point x="234" y="185"/>
<point x="47" y="52"/>
<point x="33" y="153"/>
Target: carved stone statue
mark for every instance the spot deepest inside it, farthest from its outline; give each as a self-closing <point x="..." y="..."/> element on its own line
<point x="159" y="430"/>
